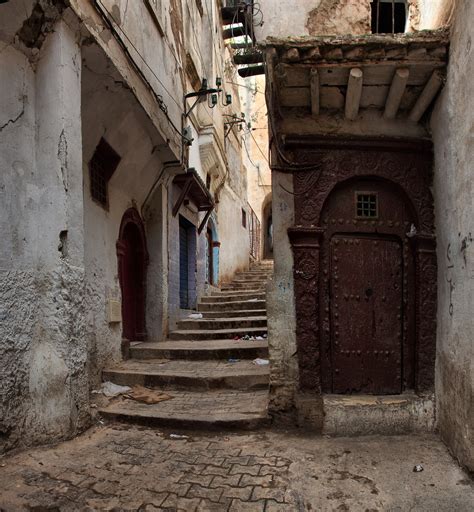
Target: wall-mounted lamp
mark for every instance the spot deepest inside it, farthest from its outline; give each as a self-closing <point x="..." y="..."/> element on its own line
<point x="213" y="100"/>
<point x="212" y="96"/>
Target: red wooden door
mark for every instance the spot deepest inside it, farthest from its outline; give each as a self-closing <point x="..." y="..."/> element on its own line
<point x="366" y="298"/>
<point x="132" y="264"/>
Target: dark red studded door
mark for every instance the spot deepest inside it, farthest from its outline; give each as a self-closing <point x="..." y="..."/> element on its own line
<point x="366" y="300"/>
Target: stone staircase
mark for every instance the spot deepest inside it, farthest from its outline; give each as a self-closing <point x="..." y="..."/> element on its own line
<point x="205" y="365"/>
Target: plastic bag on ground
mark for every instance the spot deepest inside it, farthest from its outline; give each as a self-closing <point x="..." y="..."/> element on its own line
<point x="110" y="389"/>
<point x="261" y="362"/>
<point x="196" y="316"/>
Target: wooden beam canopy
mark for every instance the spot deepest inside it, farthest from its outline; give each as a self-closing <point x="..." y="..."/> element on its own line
<point x="354" y="93"/>
<point x="426" y="97"/>
<point x="395" y="95"/>
<point x="193" y="187"/>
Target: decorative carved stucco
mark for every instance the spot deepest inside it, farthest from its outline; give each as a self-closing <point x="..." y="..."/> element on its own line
<point x="409" y="171"/>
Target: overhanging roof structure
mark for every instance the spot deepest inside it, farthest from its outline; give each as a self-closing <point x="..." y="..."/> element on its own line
<point x="355" y="85"/>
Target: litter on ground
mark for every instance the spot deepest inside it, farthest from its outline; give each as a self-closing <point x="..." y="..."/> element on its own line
<point x="110" y="389"/>
<point x="196" y="316"/>
<point x="147" y="396"/>
<point x="261" y="362"/>
<point x="178" y="436"/>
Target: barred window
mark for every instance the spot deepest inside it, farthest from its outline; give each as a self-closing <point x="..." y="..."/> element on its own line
<point x="388" y="16"/>
<point x="101" y="168"/>
<point x="366" y="205"/>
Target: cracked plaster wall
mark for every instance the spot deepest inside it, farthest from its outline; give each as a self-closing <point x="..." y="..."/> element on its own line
<point x="339" y="17"/>
<point x="44" y="392"/>
<point x="280" y="301"/>
<point x="453" y="128"/>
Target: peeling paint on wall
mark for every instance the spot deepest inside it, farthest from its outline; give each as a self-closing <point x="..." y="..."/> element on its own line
<point x="339" y="17"/>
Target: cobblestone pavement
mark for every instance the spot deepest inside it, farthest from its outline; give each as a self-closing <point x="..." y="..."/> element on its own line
<point x="128" y="468"/>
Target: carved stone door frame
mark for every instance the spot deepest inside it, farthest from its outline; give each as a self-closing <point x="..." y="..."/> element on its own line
<point x="406" y="165"/>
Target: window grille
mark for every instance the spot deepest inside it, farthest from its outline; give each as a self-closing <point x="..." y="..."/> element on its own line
<point x="389" y="16"/>
<point x="101" y="168"/>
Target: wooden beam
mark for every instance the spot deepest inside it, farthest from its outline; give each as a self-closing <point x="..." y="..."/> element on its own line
<point x="397" y="89"/>
<point x="426" y="97"/>
<point x="314" y="88"/>
<point x="182" y="196"/>
<point x="203" y="223"/>
<point x="354" y="92"/>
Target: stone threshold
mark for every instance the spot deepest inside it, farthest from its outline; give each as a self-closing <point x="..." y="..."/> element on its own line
<point x="361" y="415"/>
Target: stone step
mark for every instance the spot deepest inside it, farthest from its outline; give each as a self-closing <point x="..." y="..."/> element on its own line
<point x="230" y="306"/>
<point x="247" y="282"/>
<point x="223" y="323"/>
<point x="240" y="292"/>
<point x="232" y="297"/>
<point x="262" y="264"/>
<point x="210" y="410"/>
<point x="220" y="313"/>
<point x="215" y="334"/>
<point x="177" y="374"/>
<point x="260" y="274"/>
<point x="200" y="350"/>
<point x="243" y="287"/>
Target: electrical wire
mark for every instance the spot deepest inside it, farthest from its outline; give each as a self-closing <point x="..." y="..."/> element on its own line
<point x="113" y="27"/>
<point x="259" y="148"/>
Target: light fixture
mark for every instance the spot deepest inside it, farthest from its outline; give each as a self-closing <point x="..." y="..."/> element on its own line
<point x="218" y="81"/>
<point x="214" y="100"/>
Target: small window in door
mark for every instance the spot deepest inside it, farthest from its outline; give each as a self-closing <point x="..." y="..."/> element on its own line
<point x="388" y="16"/>
<point x="367" y="205"/>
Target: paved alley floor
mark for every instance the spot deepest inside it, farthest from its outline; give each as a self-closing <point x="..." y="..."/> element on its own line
<point x="121" y="467"/>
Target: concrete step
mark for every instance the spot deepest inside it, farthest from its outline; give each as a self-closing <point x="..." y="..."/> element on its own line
<point x="230" y="306"/>
<point x="232" y="297"/>
<point x="215" y="334"/>
<point x="177" y="374"/>
<point x="200" y="350"/>
<point x="220" y="313"/>
<point x="223" y="323"/>
<point x="196" y="410"/>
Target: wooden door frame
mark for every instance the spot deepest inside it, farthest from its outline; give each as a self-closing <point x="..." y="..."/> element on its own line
<point x="132" y="217"/>
<point x="409" y="167"/>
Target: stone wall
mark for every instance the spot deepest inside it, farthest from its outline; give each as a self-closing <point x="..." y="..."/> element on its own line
<point x="452" y="126"/>
<point x="44" y="388"/>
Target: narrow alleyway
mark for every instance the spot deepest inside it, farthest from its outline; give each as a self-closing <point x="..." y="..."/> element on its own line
<point x="129" y="468"/>
<point x="208" y="365"/>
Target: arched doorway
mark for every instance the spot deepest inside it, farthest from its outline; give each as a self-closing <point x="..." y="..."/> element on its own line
<point x="132" y="262"/>
<point x="361" y="193"/>
<point x="267" y="219"/>
<point x="367" y="289"/>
